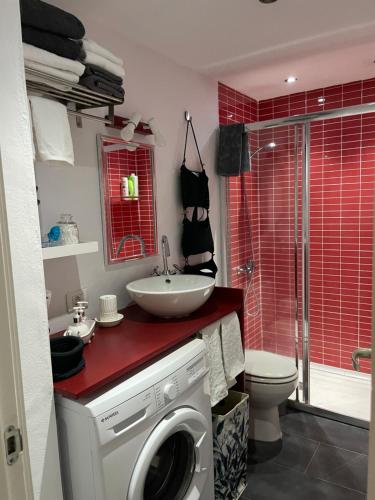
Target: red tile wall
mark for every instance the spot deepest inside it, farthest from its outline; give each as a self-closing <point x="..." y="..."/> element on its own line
<point x="130" y="216"/>
<point x="341" y="222"/>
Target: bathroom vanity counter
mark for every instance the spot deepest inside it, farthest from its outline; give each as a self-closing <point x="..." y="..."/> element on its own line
<point x="117" y="352"/>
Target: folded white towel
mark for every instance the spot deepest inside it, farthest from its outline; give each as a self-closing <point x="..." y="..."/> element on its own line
<point x="52" y="131"/>
<point x="46" y="58"/>
<point x="217" y="383"/>
<point x="67" y="76"/>
<point x="233" y="355"/>
<point x="50" y="83"/>
<point x="102" y="62"/>
<point x="92" y="46"/>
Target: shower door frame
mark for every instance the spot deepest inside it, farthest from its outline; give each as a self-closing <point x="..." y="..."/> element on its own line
<point x="302" y="122"/>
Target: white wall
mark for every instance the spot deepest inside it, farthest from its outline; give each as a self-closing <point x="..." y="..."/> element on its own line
<point x="155" y="87"/>
<point x="27" y="267"/>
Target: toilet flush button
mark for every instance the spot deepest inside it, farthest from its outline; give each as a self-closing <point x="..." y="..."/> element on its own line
<point x="170" y="392"/>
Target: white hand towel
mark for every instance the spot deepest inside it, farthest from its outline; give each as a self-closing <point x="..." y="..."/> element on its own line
<point x="218" y="386"/>
<point x="67" y="76"/>
<point x="233" y="355"/>
<point x="31" y="53"/>
<point x="92" y="46"/>
<point x="102" y="62"/>
<point x="52" y="131"/>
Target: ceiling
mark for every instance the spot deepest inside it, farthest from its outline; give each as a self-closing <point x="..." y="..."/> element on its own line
<point x="250" y="46"/>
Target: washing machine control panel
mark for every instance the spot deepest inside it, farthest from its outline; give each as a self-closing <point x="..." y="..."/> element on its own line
<point x="171" y="387"/>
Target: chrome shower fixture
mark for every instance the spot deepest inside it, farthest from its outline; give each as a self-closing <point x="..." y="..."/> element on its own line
<point x="269" y="145"/>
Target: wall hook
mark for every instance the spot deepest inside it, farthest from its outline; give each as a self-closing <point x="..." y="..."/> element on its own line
<point x="187" y="116"/>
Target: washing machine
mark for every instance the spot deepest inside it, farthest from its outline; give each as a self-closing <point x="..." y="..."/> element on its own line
<point x="147" y="438"/>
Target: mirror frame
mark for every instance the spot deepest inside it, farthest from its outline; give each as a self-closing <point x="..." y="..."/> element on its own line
<point x="101" y="138"/>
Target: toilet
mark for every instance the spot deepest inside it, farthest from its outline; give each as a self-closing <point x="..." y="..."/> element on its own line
<point x="269" y="380"/>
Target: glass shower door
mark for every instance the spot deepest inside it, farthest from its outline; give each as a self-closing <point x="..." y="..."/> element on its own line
<point x="341" y="186"/>
<point x="275" y="177"/>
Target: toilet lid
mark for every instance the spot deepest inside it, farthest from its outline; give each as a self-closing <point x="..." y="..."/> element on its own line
<point x="269" y="365"/>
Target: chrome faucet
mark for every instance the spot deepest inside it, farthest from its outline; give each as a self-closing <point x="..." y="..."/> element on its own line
<point x="360" y="353"/>
<point x="165" y="251"/>
<point x="129" y="237"/>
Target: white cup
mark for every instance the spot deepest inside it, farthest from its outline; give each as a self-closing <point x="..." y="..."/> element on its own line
<point x="108" y="307"/>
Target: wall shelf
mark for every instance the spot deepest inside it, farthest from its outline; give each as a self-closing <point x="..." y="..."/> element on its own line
<point x="69" y="250"/>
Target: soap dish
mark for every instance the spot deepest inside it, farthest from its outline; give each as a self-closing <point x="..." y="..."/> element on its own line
<point x="111" y="322"/>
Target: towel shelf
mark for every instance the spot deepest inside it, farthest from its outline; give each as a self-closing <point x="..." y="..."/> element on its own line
<point x="70" y="250"/>
<point x="76" y="98"/>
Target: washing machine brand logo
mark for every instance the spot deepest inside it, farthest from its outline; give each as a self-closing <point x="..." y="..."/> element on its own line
<point x="104" y="419"/>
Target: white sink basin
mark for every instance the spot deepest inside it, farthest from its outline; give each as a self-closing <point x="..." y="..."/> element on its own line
<point x="171" y="296"/>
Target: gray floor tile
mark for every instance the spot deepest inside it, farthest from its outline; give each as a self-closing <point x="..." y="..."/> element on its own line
<point x="296" y="452"/>
<point x="270" y="481"/>
<point x="326" y="431"/>
<point x="339" y="466"/>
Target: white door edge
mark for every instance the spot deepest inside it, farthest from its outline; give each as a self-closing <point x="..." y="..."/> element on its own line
<point x="15" y="480"/>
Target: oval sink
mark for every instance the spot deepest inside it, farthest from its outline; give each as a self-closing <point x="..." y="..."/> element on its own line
<point x="171" y="296"/>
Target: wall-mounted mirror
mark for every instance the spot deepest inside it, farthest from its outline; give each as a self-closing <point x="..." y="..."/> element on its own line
<point x="128" y="199"/>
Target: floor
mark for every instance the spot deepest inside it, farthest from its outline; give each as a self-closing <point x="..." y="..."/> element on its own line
<point x="341" y="391"/>
<point x="318" y="459"/>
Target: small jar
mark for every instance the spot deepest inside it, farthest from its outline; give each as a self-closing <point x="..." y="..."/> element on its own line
<point x="69" y="230"/>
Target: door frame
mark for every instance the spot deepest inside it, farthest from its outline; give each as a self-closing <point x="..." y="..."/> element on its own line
<point x="15" y="480"/>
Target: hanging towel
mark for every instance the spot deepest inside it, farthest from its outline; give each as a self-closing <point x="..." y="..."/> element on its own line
<point x="217" y="381"/>
<point x="47" y="17"/>
<point x="51" y="42"/>
<point x="233" y="355"/>
<point x="102" y="62"/>
<point x="233" y="156"/>
<point x="46" y="58"/>
<point x="91" y="46"/>
<point x="53" y="138"/>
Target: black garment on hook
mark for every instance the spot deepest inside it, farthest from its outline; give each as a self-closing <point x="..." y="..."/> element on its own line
<point x="208" y="268"/>
<point x="194" y="184"/>
<point x="196" y="236"/>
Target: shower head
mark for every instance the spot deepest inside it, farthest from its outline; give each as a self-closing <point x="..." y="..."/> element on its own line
<point x="268" y="145"/>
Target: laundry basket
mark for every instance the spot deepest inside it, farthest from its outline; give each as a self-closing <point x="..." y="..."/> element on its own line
<point x="230" y="422"/>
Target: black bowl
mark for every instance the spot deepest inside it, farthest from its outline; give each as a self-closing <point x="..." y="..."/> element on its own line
<point x="66" y="356"/>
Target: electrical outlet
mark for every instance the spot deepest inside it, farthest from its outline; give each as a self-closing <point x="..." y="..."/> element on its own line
<point x="72" y="297"/>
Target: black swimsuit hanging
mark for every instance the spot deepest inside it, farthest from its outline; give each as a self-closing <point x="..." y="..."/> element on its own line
<point x="197" y="236"/>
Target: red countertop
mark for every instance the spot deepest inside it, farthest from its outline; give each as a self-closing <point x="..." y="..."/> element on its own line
<point x="140" y="337"/>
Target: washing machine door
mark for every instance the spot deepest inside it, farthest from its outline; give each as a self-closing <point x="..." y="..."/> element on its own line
<point x="175" y="460"/>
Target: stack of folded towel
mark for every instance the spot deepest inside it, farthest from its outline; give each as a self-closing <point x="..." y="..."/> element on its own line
<point x="50" y="38"/>
<point x="51" y="29"/>
<point x="54" y="45"/>
<point x="104" y="71"/>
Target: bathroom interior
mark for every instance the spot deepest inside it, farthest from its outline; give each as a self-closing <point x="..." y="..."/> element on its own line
<point x="187" y="224"/>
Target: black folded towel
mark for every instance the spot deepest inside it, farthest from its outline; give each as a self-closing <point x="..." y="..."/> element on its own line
<point x="233" y="150"/>
<point x="53" y="43"/>
<point x="92" y="69"/>
<point x="47" y="17"/>
<point x="101" y="85"/>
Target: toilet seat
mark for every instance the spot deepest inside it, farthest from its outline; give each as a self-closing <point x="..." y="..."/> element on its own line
<point x="268" y="368"/>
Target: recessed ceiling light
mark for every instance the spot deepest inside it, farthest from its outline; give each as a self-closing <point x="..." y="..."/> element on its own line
<point x="291" y="79"/>
<point x="267" y="1"/>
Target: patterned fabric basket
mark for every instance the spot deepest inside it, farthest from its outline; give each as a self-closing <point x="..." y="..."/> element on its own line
<point x="230" y="424"/>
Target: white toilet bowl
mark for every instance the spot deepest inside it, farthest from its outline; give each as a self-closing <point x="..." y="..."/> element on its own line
<point x="269" y="380"/>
